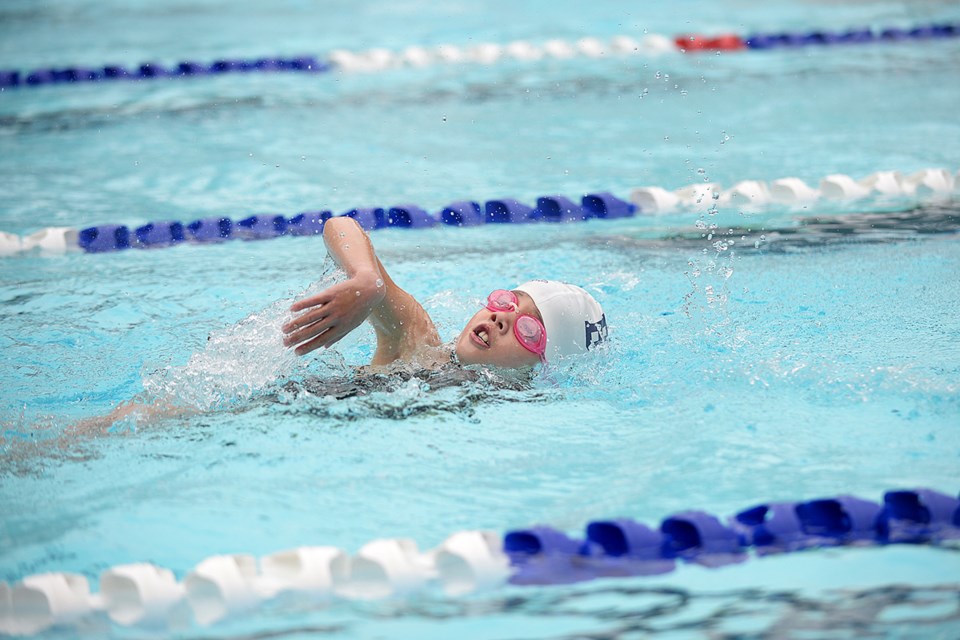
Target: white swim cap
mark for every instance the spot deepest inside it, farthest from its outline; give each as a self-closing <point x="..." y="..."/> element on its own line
<point x="573" y="319"/>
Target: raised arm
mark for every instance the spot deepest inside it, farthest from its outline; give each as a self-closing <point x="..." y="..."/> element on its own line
<point x="403" y="328"/>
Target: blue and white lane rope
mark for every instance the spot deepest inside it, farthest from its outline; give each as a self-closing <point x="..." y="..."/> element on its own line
<point x="883" y="186"/>
<point x="488" y="53"/>
<point x="225" y="586"/>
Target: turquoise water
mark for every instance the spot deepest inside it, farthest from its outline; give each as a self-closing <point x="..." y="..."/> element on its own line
<point x="811" y="357"/>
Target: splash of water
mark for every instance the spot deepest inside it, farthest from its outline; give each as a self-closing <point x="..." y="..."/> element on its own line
<point x="237" y="361"/>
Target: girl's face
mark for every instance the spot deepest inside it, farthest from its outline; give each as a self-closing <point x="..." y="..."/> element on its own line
<point x="488" y="337"/>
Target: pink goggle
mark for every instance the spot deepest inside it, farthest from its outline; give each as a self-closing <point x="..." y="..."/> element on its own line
<point x="530" y="332"/>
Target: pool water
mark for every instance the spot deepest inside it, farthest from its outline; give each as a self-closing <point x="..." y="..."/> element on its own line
<point x="782" y="354"/>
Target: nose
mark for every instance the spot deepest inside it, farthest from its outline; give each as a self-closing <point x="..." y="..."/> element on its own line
<point x="501" y="320"/>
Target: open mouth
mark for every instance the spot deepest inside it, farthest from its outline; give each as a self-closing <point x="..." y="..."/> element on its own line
<point x="481" y="337"/>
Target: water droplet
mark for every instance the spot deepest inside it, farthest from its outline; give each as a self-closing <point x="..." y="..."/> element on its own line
<point x="358" y="294"/>
<point x="701" y="170"/>
<point x="379" y="282"/>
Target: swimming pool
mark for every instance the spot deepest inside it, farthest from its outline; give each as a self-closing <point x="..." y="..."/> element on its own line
<point x="816" y="355"/>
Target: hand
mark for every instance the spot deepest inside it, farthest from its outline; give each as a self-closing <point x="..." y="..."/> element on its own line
<point x="333" y="313"/>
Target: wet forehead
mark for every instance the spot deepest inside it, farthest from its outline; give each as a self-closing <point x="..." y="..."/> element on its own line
<point x="527" y="305"/>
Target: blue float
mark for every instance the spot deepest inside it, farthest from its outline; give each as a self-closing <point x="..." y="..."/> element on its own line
<point x="508" y="210"/>
<point x="465" y="213"/>
<point x="114" y="72"/>
<point x="308" y="223"/>
<point x="894" y="34"/>
<point x="919" y="515"/>
<point x="369" y="218"/>
<point x="261" y="227"/>
<point x="523" y="543"/>
<point x="821" y="38"/>
<point x="770" y="528"/>
<point x="159" y="234"/>
<point x="696" y="536"/>
<point x="190" y="69"/>
<point x="40" y="76"/>
<point x="9" y="78"/>
<point x="151" y="70"/>
<point x="923" y="32"/>
<point x="607" y="206"/>
<point x="543" y="555"/>
<point x="224" y="66"/>
<point x="857" y="36"/>
<point x="759" y="41"/>
<point x="409" y="216"/>
<point x="558" y="209"/>
<point x="107" y="237"/>
<point x="210" y="229"/>
<point x="841" y="520"/>
<point x="622" y="547"/>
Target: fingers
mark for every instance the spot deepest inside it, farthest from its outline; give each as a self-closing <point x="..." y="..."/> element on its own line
<point x="325" y="339"/>
<point x="308" y="332"/>
<point x="305" y="319"/>
<point x="321" y="298"/>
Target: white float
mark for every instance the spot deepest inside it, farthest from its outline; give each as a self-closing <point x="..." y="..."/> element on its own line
<point x="52" y="240"/>
<point x="379" y="59"/>
<point x="560" y="49"/>
<point x="450" y="53"/>
<point x="316" y="570"/>
<point x="624" y="45"/>
<point x="523" y="50"/>
<point x="884" y="183"/>
<point x="471" y="560"/>
<point x="746" y="193"/>
<point x="140" y="594"/>
<point x="792" y="190"/>
<point x="655" y="44"/>
<point x="654" y="200"/>
<point x="930" y="182"/>
<point x="416" y="57"/>
<point x="591" y="47"/>
<point x="486" y="53"/>
<point x="384" y="567"/>
<point x="699" y="196"/>
<point x="346" y="60"/>
<point x="838" y="186"/>
<point x="222" y="586"/>
<point x="10" y="243"/>
<point x="41" y="601"/>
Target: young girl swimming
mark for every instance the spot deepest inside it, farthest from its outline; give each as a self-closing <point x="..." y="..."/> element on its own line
<point x="536" y="322"/>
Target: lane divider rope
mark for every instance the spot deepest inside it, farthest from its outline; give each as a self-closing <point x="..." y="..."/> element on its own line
<point x="883" y="186"/>
<point x="379" y="59"/>
<point x="226" y="586"/>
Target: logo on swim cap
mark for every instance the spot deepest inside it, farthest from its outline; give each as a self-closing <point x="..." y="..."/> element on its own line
<point x="596" y="332"/>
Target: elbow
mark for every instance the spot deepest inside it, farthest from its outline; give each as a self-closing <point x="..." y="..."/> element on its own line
<point x="337" y="225"/>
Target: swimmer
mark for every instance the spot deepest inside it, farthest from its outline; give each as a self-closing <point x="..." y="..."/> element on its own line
<point x="516" y="330"/>
<point x="537" y="322"/>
